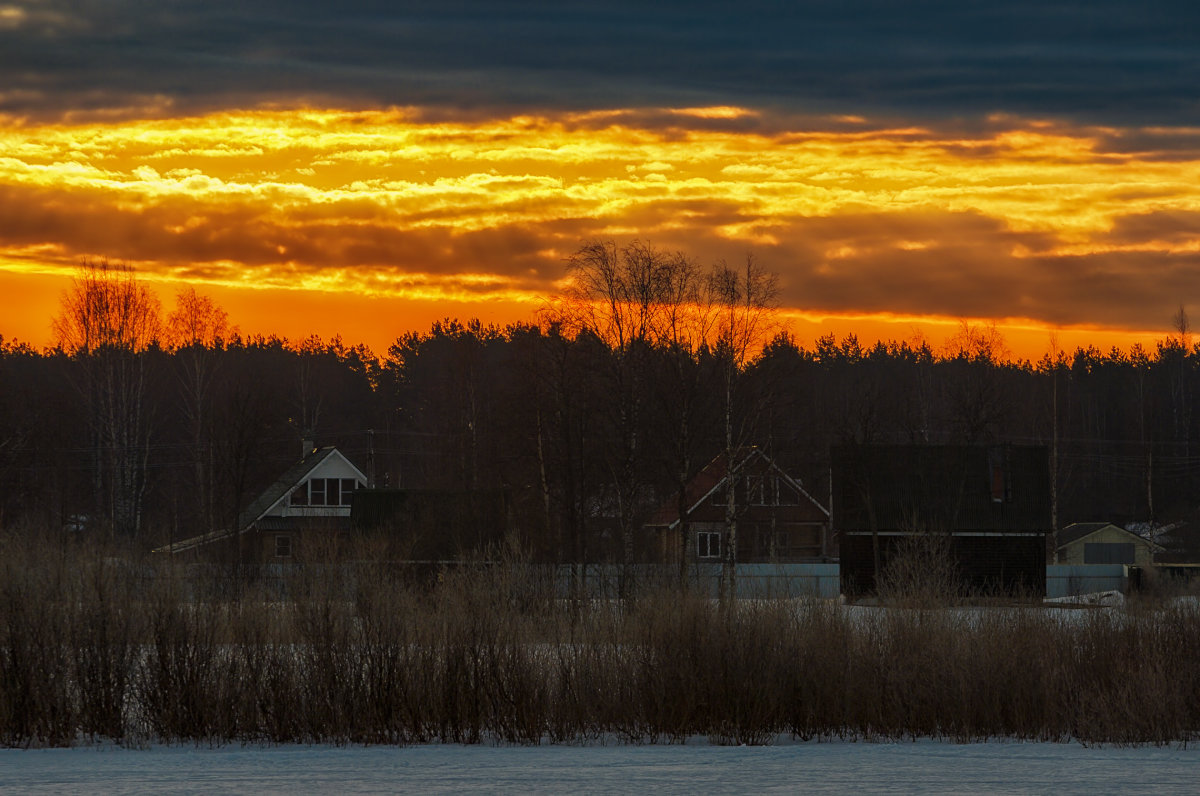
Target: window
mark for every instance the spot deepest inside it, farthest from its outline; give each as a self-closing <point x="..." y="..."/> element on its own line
<point x="1108" y="553"/>
<point x="283" y="546"/>
<point x="708" y="544"/>
<point x="755" y="491"/>
<point x="325" y="492"/>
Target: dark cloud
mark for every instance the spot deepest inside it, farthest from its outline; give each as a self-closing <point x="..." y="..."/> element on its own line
<point x="1103" y="61"/>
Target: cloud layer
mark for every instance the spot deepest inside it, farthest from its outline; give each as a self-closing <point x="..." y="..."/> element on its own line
<point x="1104" y="61"/>
<point x="1054" y="224"/>
<point x="1023" y="160"/>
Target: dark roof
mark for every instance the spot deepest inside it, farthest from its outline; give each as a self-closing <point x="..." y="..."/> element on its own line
<point x="940" y="488"/>
<point x="1077" y="530"/>
<point x="283" y="485"/>
<point x="711" y="476"/>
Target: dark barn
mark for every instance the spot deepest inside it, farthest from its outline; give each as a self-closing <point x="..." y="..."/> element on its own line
<point x="987" y="506"/>
<point x="432" y="525"/>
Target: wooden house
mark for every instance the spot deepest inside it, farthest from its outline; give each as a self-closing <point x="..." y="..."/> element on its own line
<point x="777" y="520"/>
<point x="305" y="512"/>
<point x="989" y="505"/>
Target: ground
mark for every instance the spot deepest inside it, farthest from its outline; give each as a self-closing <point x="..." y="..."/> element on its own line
<point x="787" y="767"/>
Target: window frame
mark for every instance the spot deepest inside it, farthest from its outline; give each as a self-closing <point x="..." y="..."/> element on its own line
<point x="706" y="541"/>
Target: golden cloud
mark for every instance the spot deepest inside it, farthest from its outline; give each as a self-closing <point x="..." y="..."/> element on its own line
<point x="1007" y="221"/>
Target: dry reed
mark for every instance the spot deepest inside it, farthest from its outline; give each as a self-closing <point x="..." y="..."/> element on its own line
<point x="95" y="647"/>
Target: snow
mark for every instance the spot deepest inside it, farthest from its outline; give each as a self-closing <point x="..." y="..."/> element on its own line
<point x="787" y="767"/>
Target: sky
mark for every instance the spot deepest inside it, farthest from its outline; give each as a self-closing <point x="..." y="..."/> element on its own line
<point x="365" y="168"/>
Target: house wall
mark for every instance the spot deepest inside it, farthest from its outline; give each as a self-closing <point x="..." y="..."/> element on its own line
<point x="1073" y="553"/>
<point x="766" y="533"/>
<point x="312" y="543"/>
<point x="1009" y="563"/>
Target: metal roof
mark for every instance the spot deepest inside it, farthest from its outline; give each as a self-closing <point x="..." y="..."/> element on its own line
<point x="941" y="488"/>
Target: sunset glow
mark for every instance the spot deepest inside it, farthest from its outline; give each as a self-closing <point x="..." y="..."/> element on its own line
<point x="1031" y="224"/>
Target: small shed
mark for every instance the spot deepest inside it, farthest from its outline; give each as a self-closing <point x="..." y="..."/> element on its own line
<point x="1102" y="543"/>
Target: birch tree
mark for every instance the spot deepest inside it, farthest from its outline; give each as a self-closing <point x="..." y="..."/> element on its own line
<point x="616" y="293"/>
<point x="107" y="321"/>
<point x="745" y="298"/>
<point x="196" y="329"/>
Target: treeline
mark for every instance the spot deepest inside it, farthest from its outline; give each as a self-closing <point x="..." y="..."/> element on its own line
<point x="153" y="426"/>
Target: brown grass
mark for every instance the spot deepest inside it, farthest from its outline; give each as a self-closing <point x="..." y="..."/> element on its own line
<point x="94" y="647"/>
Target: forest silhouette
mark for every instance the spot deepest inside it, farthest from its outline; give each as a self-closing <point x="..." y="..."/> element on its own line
<point x="153" y="427"/>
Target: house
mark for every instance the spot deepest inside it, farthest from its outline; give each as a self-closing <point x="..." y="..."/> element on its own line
<point x="305" y="512"/>
<point x="777" y="520"/>
<point x="989" y="505"/>
<point x="1102" y="543"/>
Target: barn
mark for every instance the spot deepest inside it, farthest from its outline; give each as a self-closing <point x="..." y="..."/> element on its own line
<point x="988" y="507"/>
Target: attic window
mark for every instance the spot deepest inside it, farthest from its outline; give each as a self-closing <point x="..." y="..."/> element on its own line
<point x="325" y="492"/>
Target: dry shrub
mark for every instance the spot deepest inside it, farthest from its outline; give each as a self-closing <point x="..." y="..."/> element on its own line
<point x="37" y="705"/>
<point x="921" y="571"/>
<point x="370" y="653"/>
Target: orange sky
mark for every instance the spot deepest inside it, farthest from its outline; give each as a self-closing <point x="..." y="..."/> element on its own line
<point x="369" y="224"/>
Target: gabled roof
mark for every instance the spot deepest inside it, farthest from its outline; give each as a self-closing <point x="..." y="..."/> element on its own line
<point x="1079" y="530"/>
<point x="284" y="485"/>
<point x="712" y="477"/>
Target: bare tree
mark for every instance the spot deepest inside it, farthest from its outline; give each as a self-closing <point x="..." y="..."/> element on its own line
<point x="616" y="294"/>
<point x="196" y="329"/>
<point x="746" y="314"/>
<point x="683" y="330"/>
<point x="107" y="320"/>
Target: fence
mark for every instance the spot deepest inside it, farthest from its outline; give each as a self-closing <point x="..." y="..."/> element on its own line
<point x="1072" y="580"/>
<point x="754" y="581"/>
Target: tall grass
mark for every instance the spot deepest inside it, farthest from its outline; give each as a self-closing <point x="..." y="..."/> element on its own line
<point x="93" y="647"/>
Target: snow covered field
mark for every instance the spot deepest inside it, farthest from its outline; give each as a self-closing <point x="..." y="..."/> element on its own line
<point x="920" y="767"/>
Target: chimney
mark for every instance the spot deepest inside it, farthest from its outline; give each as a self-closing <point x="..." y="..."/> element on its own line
<point x="306" y="445"/>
